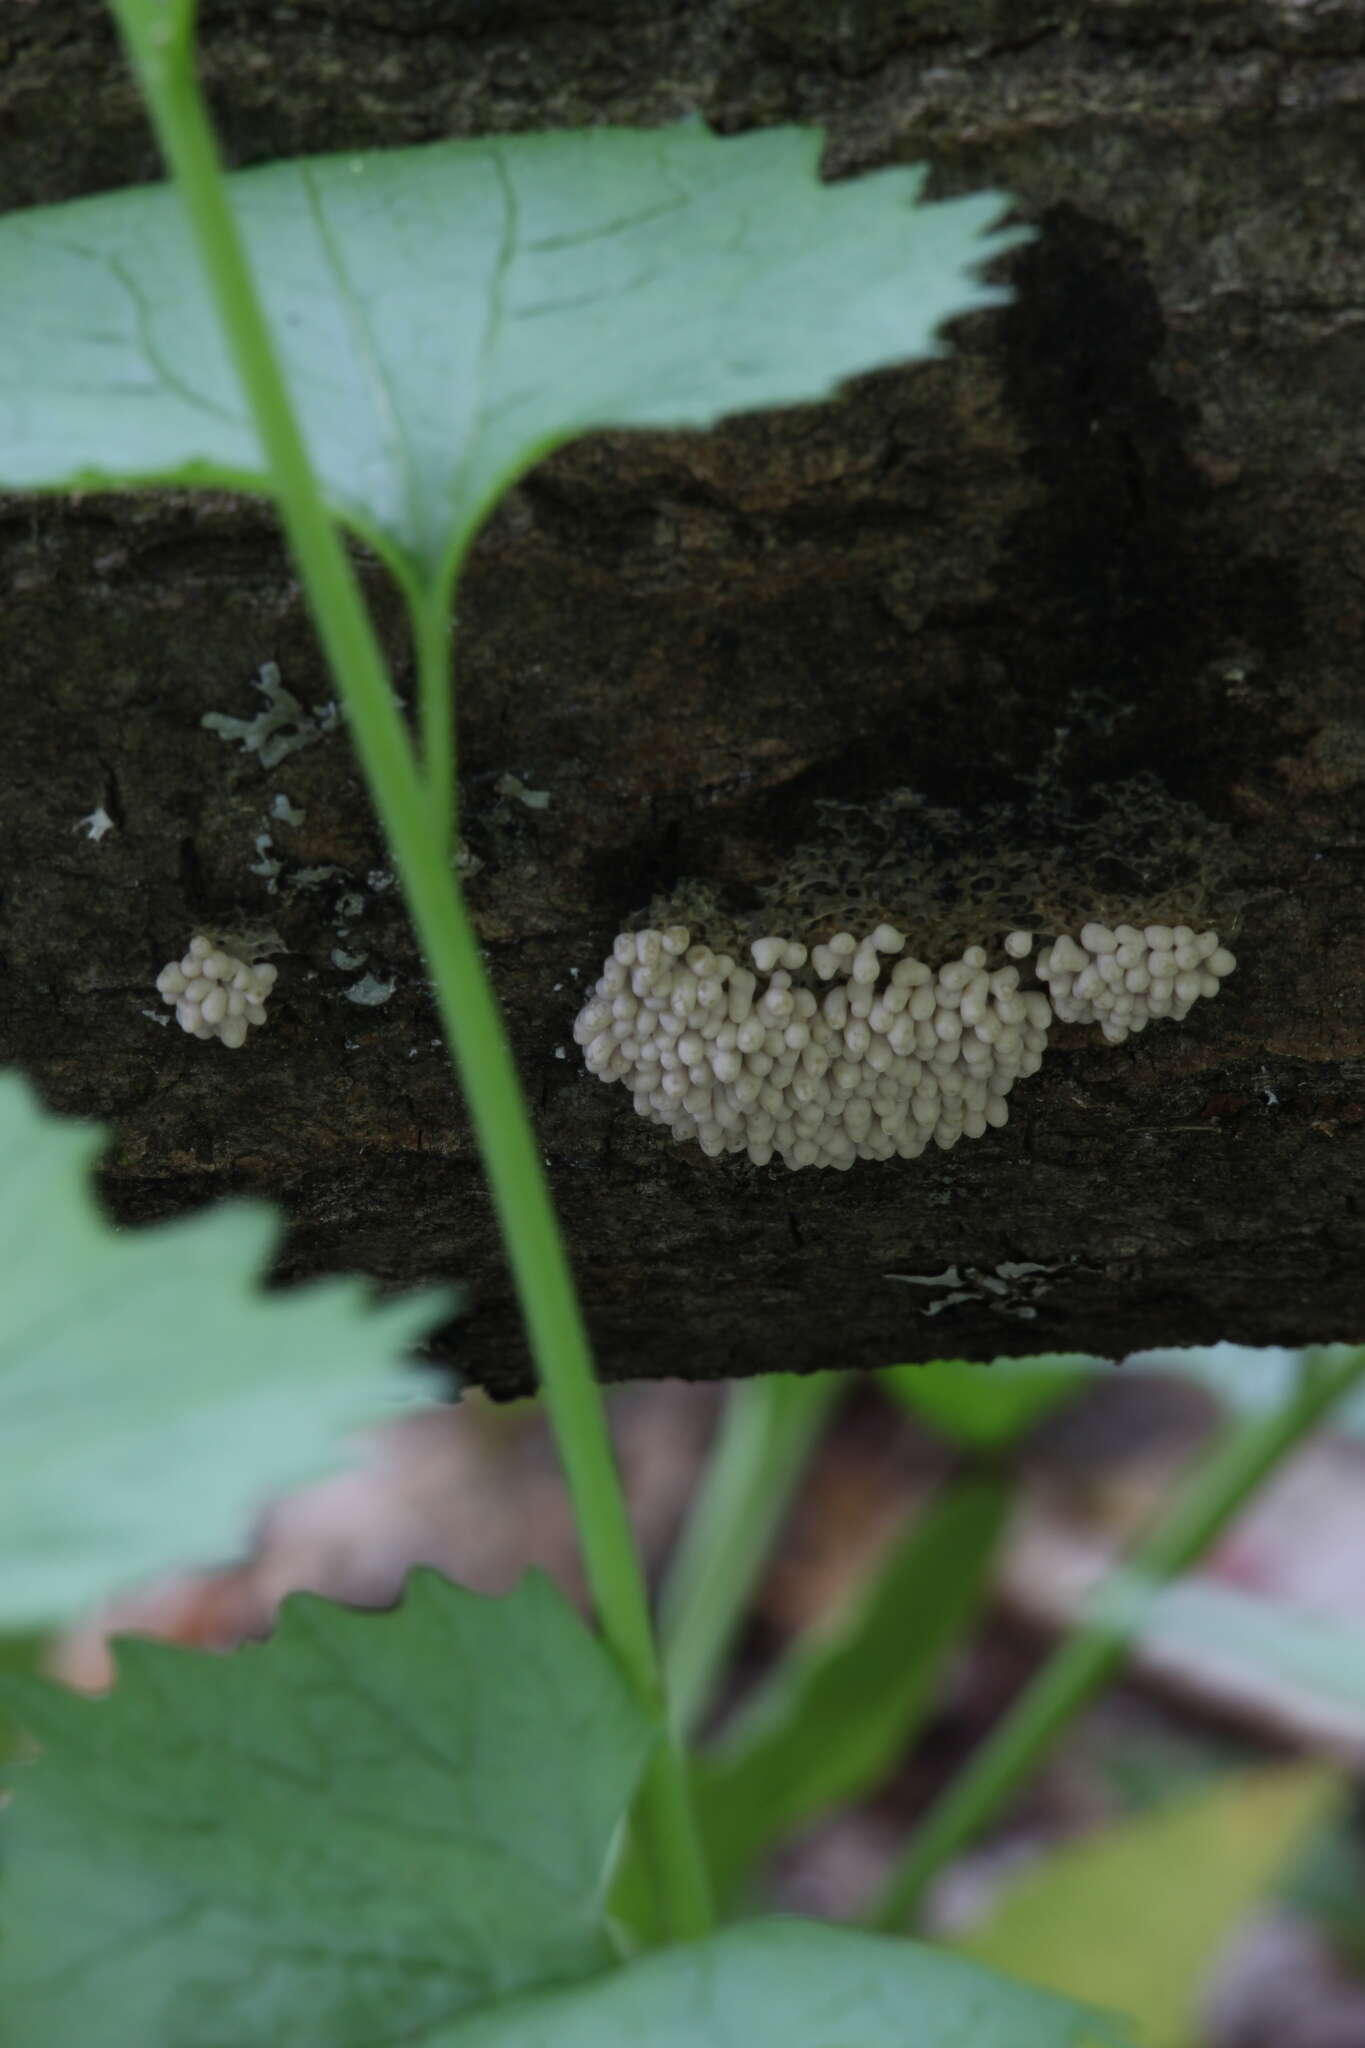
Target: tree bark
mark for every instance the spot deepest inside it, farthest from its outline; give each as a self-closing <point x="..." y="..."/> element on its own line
<point x="1068" y="621"/>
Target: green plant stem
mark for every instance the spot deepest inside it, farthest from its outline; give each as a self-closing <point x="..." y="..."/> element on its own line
<point x="465" y="1000"/>
<point x="432" y="630"/>
<point x="1242" y="1457"/>
<point x="767" y="1431"/>
<point x="841" y="1707"/>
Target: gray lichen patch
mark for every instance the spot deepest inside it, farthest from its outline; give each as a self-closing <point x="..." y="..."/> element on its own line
<point x="266" y="865"/>
<point x="512" y="786"/>
<point x="282" y="728"/>
<point x="1012" y="1289"/>
<point x="369" y="991"/>
<point x="95" y="824"/>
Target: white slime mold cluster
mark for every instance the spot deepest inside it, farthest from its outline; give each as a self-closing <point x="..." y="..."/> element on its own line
<point x="216" y="995"/>
<point x="888" y="1058"/>
<point x="1121" y="979"/>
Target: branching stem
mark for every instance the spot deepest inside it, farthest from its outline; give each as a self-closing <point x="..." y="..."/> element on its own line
<point x="417" y="822"/>
<point x="433" y="633"/>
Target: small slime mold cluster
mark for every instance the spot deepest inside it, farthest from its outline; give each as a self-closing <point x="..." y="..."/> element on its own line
<point x="1122" y="979"/>
<point x="215" y="994"/>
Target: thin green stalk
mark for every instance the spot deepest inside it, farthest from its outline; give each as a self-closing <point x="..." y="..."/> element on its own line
<point x="767" y="1431"/>
<point x="1241" y="1458"/>
<point x="465" y="1000"/>
<point x="432" y="634"/>
<point x="842" y="1706"/>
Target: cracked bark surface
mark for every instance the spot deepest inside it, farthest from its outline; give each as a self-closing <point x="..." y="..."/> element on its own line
<point x="1091" y="592"/>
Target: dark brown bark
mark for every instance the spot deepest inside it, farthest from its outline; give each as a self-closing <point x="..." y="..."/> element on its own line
<point x="1092" y="590"/>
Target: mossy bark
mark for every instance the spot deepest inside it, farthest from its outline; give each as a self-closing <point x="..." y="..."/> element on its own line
<point x="1071" y="617"/>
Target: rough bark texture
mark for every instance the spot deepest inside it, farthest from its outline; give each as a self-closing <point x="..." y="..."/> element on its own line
<point x="1092" y="592"/>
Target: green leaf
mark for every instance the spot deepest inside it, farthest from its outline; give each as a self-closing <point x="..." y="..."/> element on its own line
<point x="988" y="1407"/>
<point x="841" y="1710"/>
<point x="449" y="314"/>
<point x="347" y="1836"/>
<point x="1135" y="1915"/>
<point x="1254" y="1380"/>
<point x="151" y="1396"/>
<point x="768" y="1431"/>
<point x="17" y="1653"/>
<point x="1326" y="1658"/>
<point x="796" y="1983"/>
<point x="156" y="25"/>
<point x="1325" y="1886"/>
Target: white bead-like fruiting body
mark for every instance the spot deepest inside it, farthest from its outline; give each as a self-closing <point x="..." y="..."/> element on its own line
<point x="215" y="994"/>
<point x="1124" y="978"/>
<point x="888" y="1058"/>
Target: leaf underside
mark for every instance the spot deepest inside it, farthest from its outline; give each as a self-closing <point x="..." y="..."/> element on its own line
<point x="448" y="314"/>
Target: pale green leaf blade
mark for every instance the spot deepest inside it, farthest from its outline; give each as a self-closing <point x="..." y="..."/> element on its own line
<point x="989" y="1406"/>
<point x="152" y="1398"/>
<point x="448" y="314"/>
<point x="840" y="1711"/>
<point x="792" y="1984"/>
<point x="346" y="1836"/>
<point x="768" y="1431"/>
<point x="1135" y="1915"/>
<point x="1224" y="1625"/>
